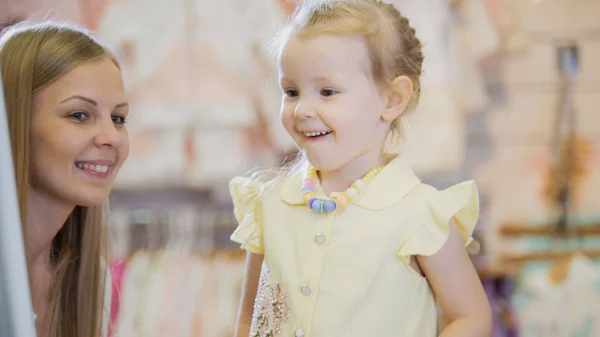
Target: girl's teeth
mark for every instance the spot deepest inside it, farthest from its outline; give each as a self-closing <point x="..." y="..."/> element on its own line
<point x="314" y="134"/>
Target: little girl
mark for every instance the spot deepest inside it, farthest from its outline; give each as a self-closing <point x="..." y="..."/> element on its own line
<point x="349" y="242"/>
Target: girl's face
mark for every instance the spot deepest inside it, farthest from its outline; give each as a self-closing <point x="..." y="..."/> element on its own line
<point x="78" y="138"/>
<point x="331" y="106"/>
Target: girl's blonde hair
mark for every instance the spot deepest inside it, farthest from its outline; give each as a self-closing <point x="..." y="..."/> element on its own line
<point x="394" y="50"/>
<point x="32" y="56"/>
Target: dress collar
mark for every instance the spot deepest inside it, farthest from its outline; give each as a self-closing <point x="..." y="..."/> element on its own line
<point x="390" y="185"/>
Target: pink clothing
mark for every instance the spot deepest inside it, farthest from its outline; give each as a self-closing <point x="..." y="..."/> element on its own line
<point x="117" y="271"/>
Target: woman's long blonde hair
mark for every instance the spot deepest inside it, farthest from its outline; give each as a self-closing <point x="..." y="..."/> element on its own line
<point x="32" y="56"/>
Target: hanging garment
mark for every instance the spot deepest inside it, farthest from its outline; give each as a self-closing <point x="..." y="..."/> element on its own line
<point x="199" y="67"/>
<point x="180" y="294"/>
<point x="117" y="271"/>
<point x="566" y="309"/>
<point x="159" y="294"/>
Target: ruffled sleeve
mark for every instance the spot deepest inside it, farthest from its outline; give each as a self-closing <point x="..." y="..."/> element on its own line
<point x="430" y="230"/>
<point x="246" y="202"/>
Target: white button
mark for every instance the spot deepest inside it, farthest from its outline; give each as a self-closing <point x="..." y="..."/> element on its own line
<point x="320" y="238"/>
<point x="299" y="333"/>
<point x="305" y="290"/>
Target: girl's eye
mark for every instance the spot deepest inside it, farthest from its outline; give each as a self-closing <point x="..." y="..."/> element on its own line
<point x="291" y="93"/>
<point x="328" y="92"/>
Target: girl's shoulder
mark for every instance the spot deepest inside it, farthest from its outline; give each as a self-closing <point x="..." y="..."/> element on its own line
<point x="430" y="228"/>
<point x="257" y="185"/>
<point x="248" y="194"/>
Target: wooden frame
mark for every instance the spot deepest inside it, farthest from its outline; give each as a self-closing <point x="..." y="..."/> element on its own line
<point x="559" y="258"/>
<point x="547" y="255"/>
<point x="516" y="229"/>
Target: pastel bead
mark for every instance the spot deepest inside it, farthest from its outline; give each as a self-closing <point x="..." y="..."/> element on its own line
<point x="308" y="182"/>
<point x="342" y="202"/>
<point x="360" y="183"/>
<point x="311" y="202"/>
<point x="317" y="205"/>
<point x="352" y="193"/>
<point x="307" y="188"/>
<point x="308" y="196"/>
<point x="329" y="206"/>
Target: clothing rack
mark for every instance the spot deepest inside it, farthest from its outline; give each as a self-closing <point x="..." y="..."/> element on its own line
<point x="548" y="256"/>
<point x="516" y="229"/>
<point x="229" y="253"/>
<point x="521" y="230"/>
<point x="581" y="34"/>
<point x="202" y="288"/>
<point x="16" y="313"/>
<point x="175" y="219"/>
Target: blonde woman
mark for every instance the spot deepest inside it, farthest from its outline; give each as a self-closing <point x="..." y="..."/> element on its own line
<point x="66" y="112"/>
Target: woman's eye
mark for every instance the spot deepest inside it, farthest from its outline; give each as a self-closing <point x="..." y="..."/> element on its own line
<point x="79" y="116"/>
<point x="119" y="120"/>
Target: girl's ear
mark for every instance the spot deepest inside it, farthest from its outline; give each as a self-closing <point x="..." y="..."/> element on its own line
<point x="398" y="96"/>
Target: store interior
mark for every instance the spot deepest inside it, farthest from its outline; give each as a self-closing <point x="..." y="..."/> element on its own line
<point x="509" y="93"/>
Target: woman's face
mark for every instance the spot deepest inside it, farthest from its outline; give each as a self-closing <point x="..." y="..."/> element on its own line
<point x="78" y="137"/>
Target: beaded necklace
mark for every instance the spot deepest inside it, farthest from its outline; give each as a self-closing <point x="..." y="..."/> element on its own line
<point x="340" y="200"/>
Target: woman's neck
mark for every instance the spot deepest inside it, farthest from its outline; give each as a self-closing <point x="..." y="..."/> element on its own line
<point x="342" y="178"/>
<point x="45" y="217"/>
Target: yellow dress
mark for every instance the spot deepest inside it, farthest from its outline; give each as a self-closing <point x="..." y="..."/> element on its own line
<point x="347" y="273"/>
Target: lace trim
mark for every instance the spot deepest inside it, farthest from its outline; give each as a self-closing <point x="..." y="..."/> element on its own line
<point x="271" y="308"/>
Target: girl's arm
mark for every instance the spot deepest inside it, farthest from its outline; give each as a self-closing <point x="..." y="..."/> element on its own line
<point x="458" y="288"/>
<point x="249" y="289"/>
